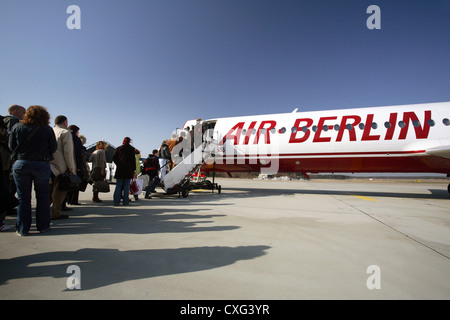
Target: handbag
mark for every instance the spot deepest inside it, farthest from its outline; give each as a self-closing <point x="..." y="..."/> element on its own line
<point x="101" y="186"/>
<point x="69" y="182"/>
<point x="134" y="188"/>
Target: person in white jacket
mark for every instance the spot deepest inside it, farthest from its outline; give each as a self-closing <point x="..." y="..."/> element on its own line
<point x="63" y="161"/>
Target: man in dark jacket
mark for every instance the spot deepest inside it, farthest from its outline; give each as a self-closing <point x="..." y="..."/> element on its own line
<point x="125" y="160"/>
<point x="15" y="115"/>
<point x="151" y="168"/>
<point x="72" y="196"/>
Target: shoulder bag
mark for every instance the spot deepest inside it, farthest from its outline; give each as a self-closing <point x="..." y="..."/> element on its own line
<point x="101" y="186"/>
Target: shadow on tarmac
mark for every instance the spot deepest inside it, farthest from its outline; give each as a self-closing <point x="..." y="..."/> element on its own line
<point x="103" y="267"/>
<point x="437" y="194"/>
<point x="135" y="221"/>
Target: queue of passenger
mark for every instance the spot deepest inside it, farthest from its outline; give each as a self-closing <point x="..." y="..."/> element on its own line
<point x="32" y="152"/>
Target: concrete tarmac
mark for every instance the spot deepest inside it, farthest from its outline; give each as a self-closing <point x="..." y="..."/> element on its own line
<point x="318" y="239"/>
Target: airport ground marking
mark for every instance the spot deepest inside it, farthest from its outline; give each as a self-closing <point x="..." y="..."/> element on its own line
<point x="366" y="198"/>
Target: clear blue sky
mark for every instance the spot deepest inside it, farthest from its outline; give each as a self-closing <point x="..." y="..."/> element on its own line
<point x="141" y="68"/>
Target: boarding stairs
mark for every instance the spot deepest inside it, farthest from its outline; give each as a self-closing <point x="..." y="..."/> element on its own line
<point x="178" y="178"/>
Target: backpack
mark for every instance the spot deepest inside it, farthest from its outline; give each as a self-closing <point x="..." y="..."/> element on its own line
<point x="149" y="165"/>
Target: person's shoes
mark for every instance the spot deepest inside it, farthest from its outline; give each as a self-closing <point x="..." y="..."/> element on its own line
<point x="66" y="209"/>
<point x="63" y="216"/>
<point x="6" y="228"/>
<point x="45" y="230"/>
<point x="21" y="234"/>
<point x="116" y="204"/>
<point x="148" y="197"/>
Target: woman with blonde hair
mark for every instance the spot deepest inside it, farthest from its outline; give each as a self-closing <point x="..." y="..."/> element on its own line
<point x="98" y="159"/>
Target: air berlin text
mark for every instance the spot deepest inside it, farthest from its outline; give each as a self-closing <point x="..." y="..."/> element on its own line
<point x="304" y="129"/>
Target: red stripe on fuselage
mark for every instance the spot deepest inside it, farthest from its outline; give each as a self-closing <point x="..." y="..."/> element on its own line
<point x="411" y="161"/>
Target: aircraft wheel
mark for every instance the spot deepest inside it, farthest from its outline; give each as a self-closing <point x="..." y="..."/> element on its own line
<point x="219" y="189"/>
<point x="185" y="192"/>
<point x="448" y="188"/>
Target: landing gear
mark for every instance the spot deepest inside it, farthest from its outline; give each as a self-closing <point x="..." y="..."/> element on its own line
<point x="448" y="188"/>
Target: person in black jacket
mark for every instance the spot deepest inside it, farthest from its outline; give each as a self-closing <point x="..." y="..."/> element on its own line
<point x="33" y="143"/>
<point x="151" y="168"/>
<point x="15" y="115"/>
<point x="72" y="196"/>
<point x="125" y="160"/>
<point x="6" y="196"/>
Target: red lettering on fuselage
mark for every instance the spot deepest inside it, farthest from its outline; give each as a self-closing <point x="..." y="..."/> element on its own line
<point x="392" y="123"/>
<point x="421" y="133"/>
<point x="267" y="132"/>
<point x="249" y="132"/>
<point x="293" y="138"/>
<point x="366" y="133"/>
<point x="320" y="126"/>
<point x="235" y="136"/>
<point x="301" y="130"/>
<point x="343" y="126"/>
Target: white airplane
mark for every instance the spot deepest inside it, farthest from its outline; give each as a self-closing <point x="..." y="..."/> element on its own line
<point x="406" y="138"/>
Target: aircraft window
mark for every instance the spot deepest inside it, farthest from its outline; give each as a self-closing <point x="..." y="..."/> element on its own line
<point x="387" y="124"/>
<point x="336" y="127"/>
<point x="305" y="129"/>
<point x="374" y="125"/>
<point x="244" y="132"/>
<point x="446" y="122"/>
<point x="253" y="131"/>
<point x="293" y="129"/>
<point x="272" y="130"/>
<point x="431" y="122"/>
<point x="314" y="128"/>
<point x="401" y="124"/>
<point x="349" y="127"/>
<point x="361" y="126"/>
<point x="325" y="128"/>
<point x="283" y="130"/>
<point x="263" y="131"/>
<point x="416" y="123"/>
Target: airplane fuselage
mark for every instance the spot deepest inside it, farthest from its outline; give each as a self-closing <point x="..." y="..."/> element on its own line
<point x="408" y="138"/>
